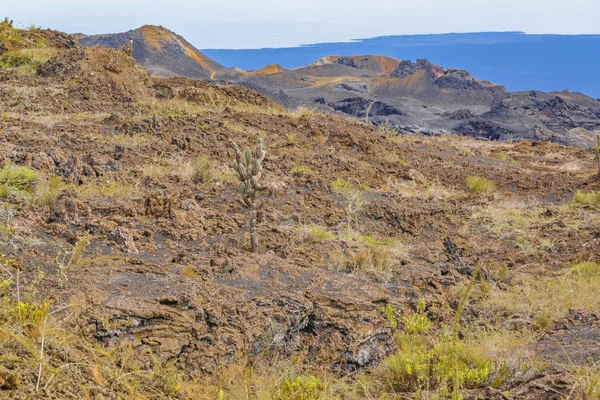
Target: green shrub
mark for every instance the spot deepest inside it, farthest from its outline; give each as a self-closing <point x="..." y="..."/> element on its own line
<point x="417" y="323"/>
<point x="504" y="156"/>
<point x="388" y="312"/>
<point x="26" y="60"/>
<point x="320" y="233"/>
<point x="302" y="388"/>
<point x="291" y="139"/>
<point x="17" y="180"/>
<point x="477" y="184"/>
<point x="425" y="363"/>
<point x="591" y="199"/>
<point x="302" y="170"/>
<point x="203" y="172"/>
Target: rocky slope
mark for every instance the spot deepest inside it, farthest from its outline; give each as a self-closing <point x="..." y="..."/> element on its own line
<point x="132" y="274"/>
<point x="409" y="96"/>
<point x="422" y="97"/>
<point x="163" y="52"/>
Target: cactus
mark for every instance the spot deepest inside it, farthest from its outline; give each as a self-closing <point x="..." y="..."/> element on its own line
<point x="248" y="168"/>
<point x="597" y="150"/>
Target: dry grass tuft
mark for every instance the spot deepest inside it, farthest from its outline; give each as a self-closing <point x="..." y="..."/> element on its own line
<point x="590" y="200"/>
<point x="540" y="301"/>
<point x="477" y="184"/>
<point x="203" y="171"/>
<point x="111" y="189"/>
<point x="373" y="262"/>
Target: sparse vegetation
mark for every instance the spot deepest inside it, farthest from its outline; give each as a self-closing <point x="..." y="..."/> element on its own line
<point x="135" y="141"/>
<point x="354" y="197"/>
<point x="7" y="217"/>
<point x="590" y="199"/>
<point x="302" y="170"/>
<point x="387" y="129"/>
<point x="203" y="171"/>
<point x="587" y="382"/>
<point x="464" y="151"/>
<point x="504" y="156"/>
<point x="17" y="181"/>
<point x="48" y="191"/>
<point x="105" y="188"/>
<point x="26" y="60"/>
<point x="327" y="308"/>
<point x="530" y="226"/>
<point x="429" y="365"/>
<point x="305" y="112"/>
<point x="374" y="262"/>
<point x="291" y="139"/>
<point x="546" y="299"/>
<point x="320" y="233"/>
<point x="74" y="258"/>
<point x="477" y="184"/>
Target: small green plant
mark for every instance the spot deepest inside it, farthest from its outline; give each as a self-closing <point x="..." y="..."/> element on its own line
<point x="302" y="170"/>
<point x="203" y="171"/>
<point x="248" y="167"/>
<point x="477" y="184"/>
<point x="417" y="323"/>
<point x="320" y="233"/>
<point x="463" y="151"/>
<point x="388" y="312"/>
<point x="460" y="377"/>
<point x="587" y="382"/>
<point x="165" y="377"/>
<point x="291" y="139"/>
<point x="425" y="363"/>
<point x="17" y="180"/>
<point x="504" y="156"/>
<point x="589" y="200"/>
<point x="302" y="388"/>
<point x="587" y="269"/>
<point x="387" y="129"/>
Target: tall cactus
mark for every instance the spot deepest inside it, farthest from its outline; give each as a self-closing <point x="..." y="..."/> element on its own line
<point x="248" y="168"/>
<point x="597" y="150"/>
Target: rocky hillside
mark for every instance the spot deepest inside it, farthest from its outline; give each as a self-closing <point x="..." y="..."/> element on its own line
<point x="163" y="52"/>
<point x="389" y="266"/>
<point x="404" y="95"/>
<point x="423" y="97"/>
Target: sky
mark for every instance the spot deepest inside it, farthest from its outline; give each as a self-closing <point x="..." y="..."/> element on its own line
<point x="239" y="24"/>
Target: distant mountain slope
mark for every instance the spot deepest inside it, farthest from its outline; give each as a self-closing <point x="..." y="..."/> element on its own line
<point x="516" y="60"/>
<point x="423" y="97"/>
<point x="163" y="52"/>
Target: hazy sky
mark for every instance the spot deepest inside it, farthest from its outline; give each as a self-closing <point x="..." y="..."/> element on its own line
<point x="281" y="23"/>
